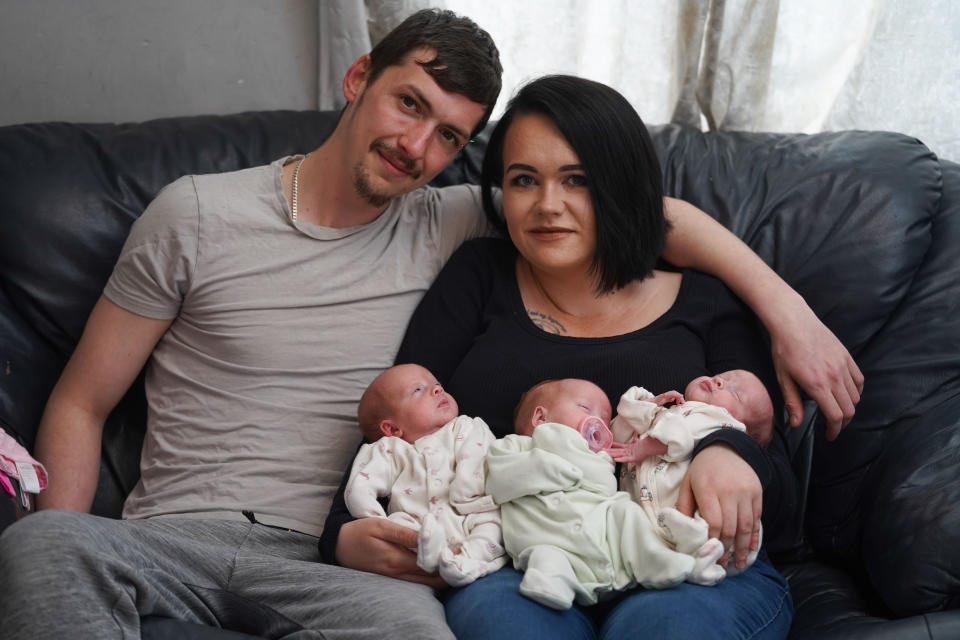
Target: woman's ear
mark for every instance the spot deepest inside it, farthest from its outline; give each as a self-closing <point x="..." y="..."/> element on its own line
<point x="355" y="79"/>
<point x="390" y="428"/>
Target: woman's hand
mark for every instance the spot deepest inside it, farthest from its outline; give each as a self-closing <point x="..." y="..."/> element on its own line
<point x="806" y="353"/>
<point x="728" y="494"/>
<point x="377" y="545"/>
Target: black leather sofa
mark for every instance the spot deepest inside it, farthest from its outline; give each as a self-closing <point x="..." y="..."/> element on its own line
<point x="864" y="225"/>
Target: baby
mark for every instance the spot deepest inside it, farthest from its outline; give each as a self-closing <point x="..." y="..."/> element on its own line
<point x="742" y="394"/>
<point x="564" y="522"/>
<point x="734" y="399"/>
<point x="431" y="463"/>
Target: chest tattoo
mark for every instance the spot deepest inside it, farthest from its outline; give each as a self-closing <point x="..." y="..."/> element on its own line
<point x="546" y="323"/>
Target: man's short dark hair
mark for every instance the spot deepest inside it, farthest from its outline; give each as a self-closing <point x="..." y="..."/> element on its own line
<point x="466" y="60"/>
<point x="623" y="173"/>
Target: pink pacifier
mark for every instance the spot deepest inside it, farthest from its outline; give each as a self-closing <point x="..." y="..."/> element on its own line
<point x="596" y="433"/>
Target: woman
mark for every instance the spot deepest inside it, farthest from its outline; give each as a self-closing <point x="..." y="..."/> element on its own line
<point x="574" y="293"/>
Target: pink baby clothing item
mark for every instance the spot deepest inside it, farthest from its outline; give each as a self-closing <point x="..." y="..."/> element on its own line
<point x="7" y="485"/>
<point x="17" y="463"/>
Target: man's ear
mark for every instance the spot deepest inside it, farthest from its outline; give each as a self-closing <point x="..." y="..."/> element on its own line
<point x="539" y="416"/>
<point x="390" y="428"/>
<point x="355" y="79"/>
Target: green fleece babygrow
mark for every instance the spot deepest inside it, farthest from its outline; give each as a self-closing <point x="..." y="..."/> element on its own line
<point x="568" y="528"/>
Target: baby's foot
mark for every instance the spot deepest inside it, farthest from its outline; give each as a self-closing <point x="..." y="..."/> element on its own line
<point x="459" y="569"/>
<point x="706" y="571"/>
<point x="550" y="591"/>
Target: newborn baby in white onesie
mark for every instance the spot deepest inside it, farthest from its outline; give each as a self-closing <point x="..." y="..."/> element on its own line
<point x="565" y="524"/>
<point x="431" y="463"/>
<point x="733" y="399"/>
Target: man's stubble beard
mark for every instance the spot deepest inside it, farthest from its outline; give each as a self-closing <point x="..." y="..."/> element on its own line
<point x="361" y="184"/>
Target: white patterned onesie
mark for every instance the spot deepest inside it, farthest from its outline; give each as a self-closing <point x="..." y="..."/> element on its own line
<point x="436" y="487"/>
<point x="655" y="482"/>
<point x="568" y="528"/>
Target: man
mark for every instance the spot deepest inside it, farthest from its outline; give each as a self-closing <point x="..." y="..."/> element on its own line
<point x="263" y="302"/>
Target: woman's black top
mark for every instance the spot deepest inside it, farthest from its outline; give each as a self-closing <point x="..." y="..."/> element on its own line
<point x="472" y="331"/>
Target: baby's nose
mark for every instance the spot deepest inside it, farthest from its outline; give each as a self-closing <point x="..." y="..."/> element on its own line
<point x="437" y="389"/>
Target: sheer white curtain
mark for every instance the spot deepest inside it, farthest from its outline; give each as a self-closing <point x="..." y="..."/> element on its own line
<point x="344" y="36"/>
<point x="755" y="65"/>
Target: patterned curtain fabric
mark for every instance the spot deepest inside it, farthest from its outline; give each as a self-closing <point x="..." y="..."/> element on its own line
<point x="754" y="65"/>
<point x="344" y="36"/>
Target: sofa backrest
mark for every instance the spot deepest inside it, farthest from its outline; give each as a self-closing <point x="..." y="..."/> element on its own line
<point x="68" y="196"/>
<point x="862" y="224"/>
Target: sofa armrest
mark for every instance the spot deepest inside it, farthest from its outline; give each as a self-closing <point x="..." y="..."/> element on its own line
<point x="830" y="605"/>
<point x="910" y="515"/>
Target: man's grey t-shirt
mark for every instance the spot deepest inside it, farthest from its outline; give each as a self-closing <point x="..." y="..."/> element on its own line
<point x="278" y="327"/>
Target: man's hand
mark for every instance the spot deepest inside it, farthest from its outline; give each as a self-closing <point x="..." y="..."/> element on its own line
<point x="377" y="545"/>
<point x="728" y="494"/>
<point x="808" y="355"/>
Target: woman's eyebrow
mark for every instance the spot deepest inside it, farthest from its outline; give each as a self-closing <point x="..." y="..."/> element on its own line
<point x="526" y="167"/>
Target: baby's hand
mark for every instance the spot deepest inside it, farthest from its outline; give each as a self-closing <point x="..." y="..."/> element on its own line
<point x="637" y="449"/>
<point x="668" y="397"/>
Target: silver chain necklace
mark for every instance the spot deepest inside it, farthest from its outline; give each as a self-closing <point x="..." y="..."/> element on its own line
<point x="296" y="189"/>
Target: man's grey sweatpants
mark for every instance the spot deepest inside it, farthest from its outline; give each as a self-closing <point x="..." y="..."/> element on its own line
<point x="72" y="575"/>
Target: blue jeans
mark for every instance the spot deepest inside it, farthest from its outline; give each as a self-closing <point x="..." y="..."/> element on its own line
<point x="755" y="604"/>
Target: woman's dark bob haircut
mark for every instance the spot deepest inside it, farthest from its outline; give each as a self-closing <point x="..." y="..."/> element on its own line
<point x="621" y="166"/>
